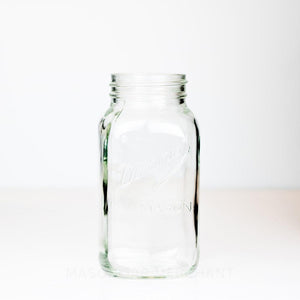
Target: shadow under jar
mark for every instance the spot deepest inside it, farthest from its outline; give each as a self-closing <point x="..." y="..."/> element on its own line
<point x="149" y="161"/>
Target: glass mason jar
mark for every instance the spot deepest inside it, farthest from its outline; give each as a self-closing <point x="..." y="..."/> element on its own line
<point x="149" y="152"/>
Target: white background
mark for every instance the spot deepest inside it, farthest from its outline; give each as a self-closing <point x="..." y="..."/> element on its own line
<point x="242" y="60"/>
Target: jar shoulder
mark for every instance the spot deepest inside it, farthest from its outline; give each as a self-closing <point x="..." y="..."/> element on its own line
<point x="179" y="115"/>
<point x="109" y="116"/>
<point x="120" y="121"/>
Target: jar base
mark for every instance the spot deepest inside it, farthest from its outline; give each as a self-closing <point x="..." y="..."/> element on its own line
<point x="155" y="271"/>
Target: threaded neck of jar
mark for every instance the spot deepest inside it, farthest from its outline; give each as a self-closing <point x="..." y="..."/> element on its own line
<point x="145" y="87"/>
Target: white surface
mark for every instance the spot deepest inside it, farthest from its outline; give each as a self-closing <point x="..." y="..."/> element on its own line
<point x="241" y="59"/>
<point x="249" y="241"/>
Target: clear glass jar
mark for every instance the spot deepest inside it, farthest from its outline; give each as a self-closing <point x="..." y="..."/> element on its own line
<point x="149" y="148"/>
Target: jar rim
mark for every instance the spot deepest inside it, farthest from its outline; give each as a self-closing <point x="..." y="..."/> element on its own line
<point x="147" y="79"/>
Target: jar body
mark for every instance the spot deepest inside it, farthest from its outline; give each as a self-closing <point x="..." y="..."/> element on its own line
<point x="149" y="189"/>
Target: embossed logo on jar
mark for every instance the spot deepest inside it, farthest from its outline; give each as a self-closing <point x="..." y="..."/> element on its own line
<point x="160" y="168"/>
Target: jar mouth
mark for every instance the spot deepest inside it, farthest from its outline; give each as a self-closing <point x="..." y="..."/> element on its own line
<point x="146" y="79"/>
